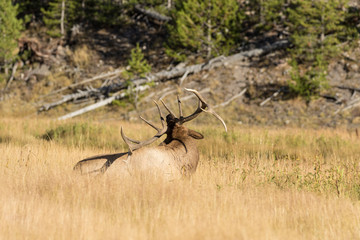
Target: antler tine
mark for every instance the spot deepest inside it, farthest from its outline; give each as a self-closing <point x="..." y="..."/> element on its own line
<point x="161" y="118"/>
<point x="211" y="111"/>
<point x="180" y="109"/>
<point x="149" y="123"/>
<point x="129" y="141"/>
<point x="168" y="109"/>
<point x="203" y="107"/>
<point x="134" y="144"/>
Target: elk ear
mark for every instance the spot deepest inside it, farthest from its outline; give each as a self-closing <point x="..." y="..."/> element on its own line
<point x="195" y="134"/>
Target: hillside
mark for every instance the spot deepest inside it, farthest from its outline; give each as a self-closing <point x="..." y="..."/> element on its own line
<point x="95" y="51"/>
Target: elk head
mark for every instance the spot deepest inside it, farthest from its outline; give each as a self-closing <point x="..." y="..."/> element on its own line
<point x="177" y="155"/>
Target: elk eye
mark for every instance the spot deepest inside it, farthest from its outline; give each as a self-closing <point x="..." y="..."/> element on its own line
<point x="195" y="134"/>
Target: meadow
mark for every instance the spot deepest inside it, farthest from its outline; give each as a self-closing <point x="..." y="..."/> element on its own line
<point x="251" y="183"/>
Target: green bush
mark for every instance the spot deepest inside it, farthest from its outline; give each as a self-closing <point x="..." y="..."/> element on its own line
<point x="139" y="66"/>
<point x="309" y="83"/>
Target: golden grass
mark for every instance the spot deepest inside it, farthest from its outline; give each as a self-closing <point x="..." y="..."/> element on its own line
<point x="252" y="183"/>
<point x="82" y="56"/>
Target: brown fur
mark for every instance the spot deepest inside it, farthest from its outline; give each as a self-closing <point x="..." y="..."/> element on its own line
<point x="179" y="157"/>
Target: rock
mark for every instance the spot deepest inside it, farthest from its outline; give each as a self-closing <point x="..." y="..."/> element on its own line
<point x="336" y="74"/>
<point x="40" y="72"/>
<point x="351" y="67"/>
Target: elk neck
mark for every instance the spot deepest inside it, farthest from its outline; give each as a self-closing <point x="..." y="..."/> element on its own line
<point x="182" y="141"/>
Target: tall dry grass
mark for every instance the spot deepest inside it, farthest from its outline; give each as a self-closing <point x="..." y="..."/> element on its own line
<point x="252" y="183"/>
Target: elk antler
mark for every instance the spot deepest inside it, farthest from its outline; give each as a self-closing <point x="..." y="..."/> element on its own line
<point x="168" y="109"/>
<point x="134" y="144"/>
<point x="180" y="110"/>
<point x="203" y="107"/>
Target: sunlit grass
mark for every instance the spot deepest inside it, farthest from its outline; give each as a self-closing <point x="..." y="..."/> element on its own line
<point x="251" y="183"/>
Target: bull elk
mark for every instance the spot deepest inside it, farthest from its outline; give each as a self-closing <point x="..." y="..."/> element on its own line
<point x="176" y="156"/>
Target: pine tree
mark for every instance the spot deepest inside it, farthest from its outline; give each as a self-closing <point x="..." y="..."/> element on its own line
<point x="138" y="67"/>
<point x="102" y="12"/>
<point x="30" y="10"/>
<point x="60" y="16"/>
<point x="207" y="27"/>
<point x="315" y="27"/>
<point x="267" y="15"/>
<point x="10" y="30"/>
<point x="137" y="63"/>
<point x="274" y="13"/>
<point x="151" y="3"/>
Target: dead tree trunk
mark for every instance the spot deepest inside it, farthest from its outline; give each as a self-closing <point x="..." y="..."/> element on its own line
<point x="62" y="18"/>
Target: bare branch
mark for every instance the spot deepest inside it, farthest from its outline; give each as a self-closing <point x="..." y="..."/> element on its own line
<point x="15" y="66"/>
<point x="231" y="99"/>
<point x="271" y="97"/>
<point x="100" y="76"/>
<point x="91" y="107"/>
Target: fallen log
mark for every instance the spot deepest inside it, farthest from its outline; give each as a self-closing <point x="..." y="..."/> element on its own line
<point x="271" y="97"/>
<point x="118" y="95"/>
<point x="348" y="88"/>
<point x="89" y="108"/>
<point x="231" y="99"/>
<point x="153" y="14"/>
<point x="167" y="75"/>
<point x="97" y="77"/>
<point x="215" y="62"/>
<point x="350" y="105"/>
<point x="70" y="97"/>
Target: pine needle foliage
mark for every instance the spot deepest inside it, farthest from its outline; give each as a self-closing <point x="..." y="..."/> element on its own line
<point x="30" y="10"/>
<point x="137" y="63"/>
<point x="316" y="28"/>
<point x="206" y="27"/>
<point x="138" y="67"/>
<point x="52" y="16"/>
<point x="10" y="30"/>
<point x="274" y="13"/>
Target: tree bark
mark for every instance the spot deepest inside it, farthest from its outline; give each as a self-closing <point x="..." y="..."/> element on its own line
<point x="89" y="108"/>
<point x="231" y="99"/>
<point x="62" y="18"/>
<point x="12" y="75"/>
<point x="152" y="14"/>
<point x="100" y="76"/>
<point x="102" y="103"/>
<point x="209" y="29"/>
<point x="169" y="4"/>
